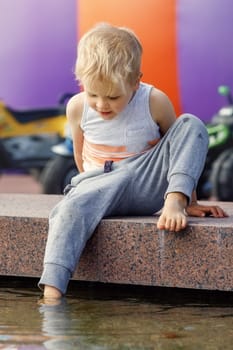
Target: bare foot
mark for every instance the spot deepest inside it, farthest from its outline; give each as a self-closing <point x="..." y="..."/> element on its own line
<point x="173" y="216"/>
<point x="51" y="295"/>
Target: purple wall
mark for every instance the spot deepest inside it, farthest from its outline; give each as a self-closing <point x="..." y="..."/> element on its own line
<point x="37" y="52"/>
<point x="205" y="53"/>
<point x="38" y="49"/>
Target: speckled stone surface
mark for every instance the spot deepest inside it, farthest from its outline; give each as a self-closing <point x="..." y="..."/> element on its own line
<point x="123" y="250"/>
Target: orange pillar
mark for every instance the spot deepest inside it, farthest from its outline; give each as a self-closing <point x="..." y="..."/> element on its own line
<point x="154" y="22"/>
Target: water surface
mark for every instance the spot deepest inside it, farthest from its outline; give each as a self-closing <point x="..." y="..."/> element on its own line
<point x="103" y="317"/>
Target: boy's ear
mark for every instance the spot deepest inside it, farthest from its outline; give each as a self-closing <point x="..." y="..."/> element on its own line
<point x="138" y="81"/>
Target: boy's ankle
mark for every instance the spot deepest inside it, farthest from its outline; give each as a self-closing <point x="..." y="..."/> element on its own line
<point x="177" y="196"/>
<point x="52" y="292"/>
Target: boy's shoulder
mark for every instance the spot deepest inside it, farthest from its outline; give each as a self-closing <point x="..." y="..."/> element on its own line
<point x="75" y="105"/>
<point x="154" y="92"/>
<point x="158" y="95"/>
<point x="161" y="108"/>
<point x="77" y="98"/>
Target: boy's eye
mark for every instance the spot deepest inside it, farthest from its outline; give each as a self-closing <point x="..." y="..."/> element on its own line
<point x="113" y="97"/>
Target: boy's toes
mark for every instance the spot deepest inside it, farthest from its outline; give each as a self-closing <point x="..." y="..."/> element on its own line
<point x="176" y="225"/>
<point x="161" y="223"/>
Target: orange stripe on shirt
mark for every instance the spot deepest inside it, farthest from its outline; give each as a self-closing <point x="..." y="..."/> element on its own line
<point x="96" y="155"/>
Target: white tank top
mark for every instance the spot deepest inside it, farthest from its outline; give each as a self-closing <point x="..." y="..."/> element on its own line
<point x="131" y="132"/>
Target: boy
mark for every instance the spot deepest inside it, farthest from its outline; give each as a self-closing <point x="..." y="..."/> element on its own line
<point x="134" y="156"/>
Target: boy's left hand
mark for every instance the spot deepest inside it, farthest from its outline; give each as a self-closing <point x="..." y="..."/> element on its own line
<point x="195" y="209"/>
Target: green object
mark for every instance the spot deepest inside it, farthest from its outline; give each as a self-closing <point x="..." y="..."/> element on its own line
<point x="218" y="134"/>
<point x="223" y="90"/>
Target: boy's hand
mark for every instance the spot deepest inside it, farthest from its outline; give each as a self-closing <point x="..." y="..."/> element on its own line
<point x="195" y="209"/>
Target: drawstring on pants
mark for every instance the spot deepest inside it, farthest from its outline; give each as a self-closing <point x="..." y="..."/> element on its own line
<point x="108" y="166"/>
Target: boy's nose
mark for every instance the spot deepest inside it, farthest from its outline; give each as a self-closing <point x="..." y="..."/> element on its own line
<point x="101" y="103"/>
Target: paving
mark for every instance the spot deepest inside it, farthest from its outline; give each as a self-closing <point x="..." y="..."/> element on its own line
<point x="19" y="183"/>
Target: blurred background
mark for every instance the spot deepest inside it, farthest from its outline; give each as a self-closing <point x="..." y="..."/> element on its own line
<point x="188" y="53"/>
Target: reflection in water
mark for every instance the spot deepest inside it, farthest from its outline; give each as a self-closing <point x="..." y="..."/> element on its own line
<point x="99" y="319"/>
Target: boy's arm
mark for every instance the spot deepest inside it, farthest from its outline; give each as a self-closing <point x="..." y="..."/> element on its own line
<point x="162" y="110"/>
<point x="163" y="113"/>
<point x="194" y="198"/>
<point x="199" y="210"/>
<point x="74" y="114"/>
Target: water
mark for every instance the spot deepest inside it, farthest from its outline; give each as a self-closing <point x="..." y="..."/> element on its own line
<point x="114" y="317"/>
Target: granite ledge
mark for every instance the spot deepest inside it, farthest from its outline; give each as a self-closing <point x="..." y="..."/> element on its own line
<point x="127" y="250"/>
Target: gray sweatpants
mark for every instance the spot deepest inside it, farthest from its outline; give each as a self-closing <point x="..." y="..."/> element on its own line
<point x="135" y="186"/>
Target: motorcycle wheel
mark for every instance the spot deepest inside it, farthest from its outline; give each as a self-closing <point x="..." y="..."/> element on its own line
<point x="57" y="174"/>
<point x="221" y="176"/>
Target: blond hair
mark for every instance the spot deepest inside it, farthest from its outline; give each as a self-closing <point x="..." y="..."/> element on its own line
<point x="108" y="54"/>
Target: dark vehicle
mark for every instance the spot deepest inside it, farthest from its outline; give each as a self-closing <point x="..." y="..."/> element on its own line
<point x="60" y="169"/>
<point x="216" y="179"/>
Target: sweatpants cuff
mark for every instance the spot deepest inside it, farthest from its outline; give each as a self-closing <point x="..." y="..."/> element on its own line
<point x="181" y="183"/>
<point x="56" y="276"/>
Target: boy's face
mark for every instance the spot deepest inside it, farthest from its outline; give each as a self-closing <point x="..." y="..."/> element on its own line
<point x="108" y="106"/>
